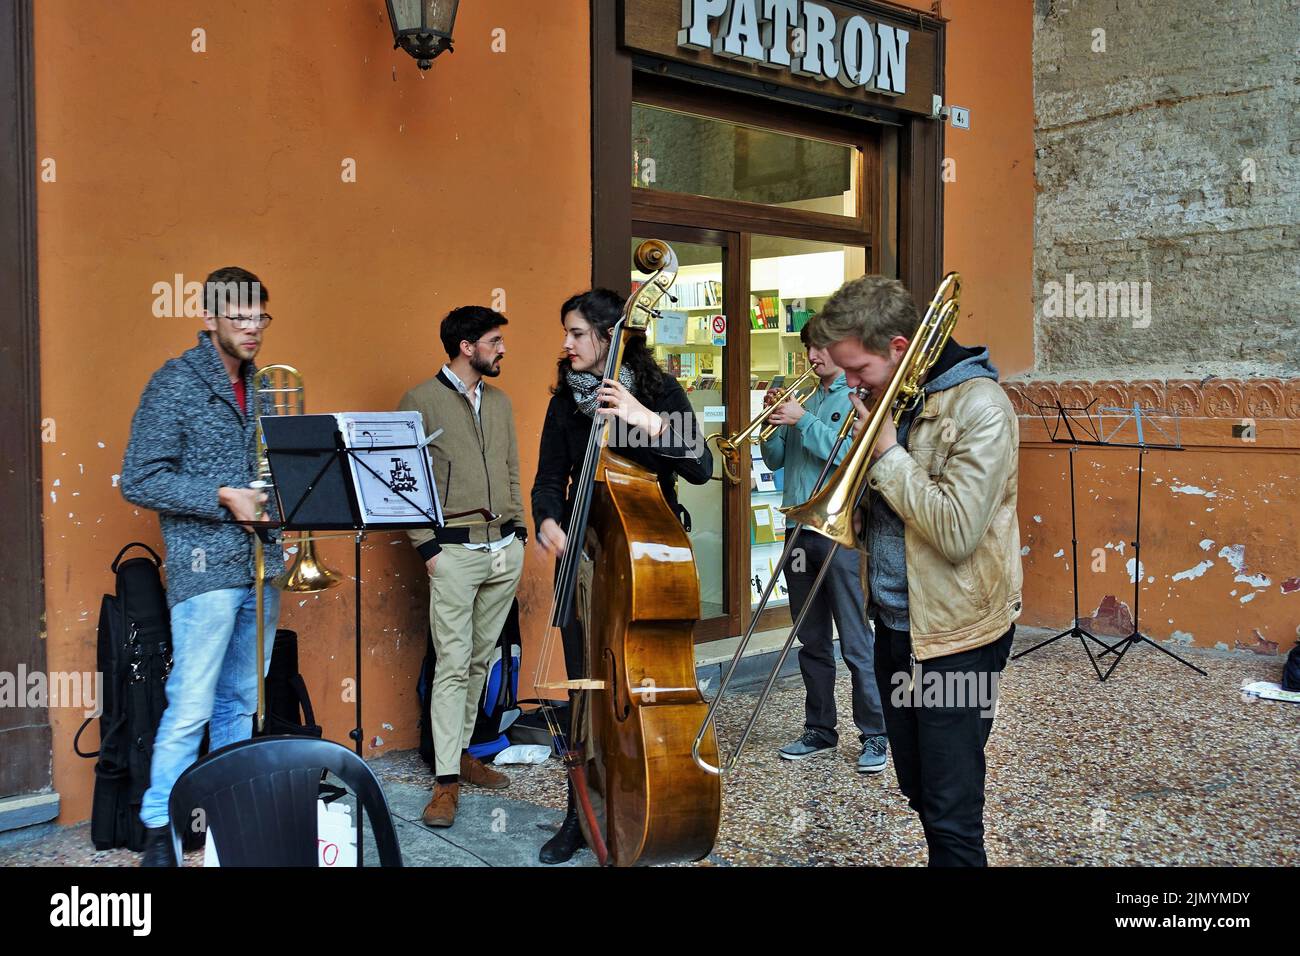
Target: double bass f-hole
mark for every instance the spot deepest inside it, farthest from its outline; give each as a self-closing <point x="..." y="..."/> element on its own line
<point x="624" y="710"/>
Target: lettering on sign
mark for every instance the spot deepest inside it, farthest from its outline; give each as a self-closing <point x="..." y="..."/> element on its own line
<point x="800" y="36"/>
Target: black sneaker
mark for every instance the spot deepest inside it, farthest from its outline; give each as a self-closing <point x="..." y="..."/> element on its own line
<point x="808" y="745"/>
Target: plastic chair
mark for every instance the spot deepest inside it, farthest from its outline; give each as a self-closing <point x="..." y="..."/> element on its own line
<point x="259" y="798"/>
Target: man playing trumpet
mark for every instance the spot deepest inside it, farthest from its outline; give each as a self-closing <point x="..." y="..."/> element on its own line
<point x="801" y="447"/>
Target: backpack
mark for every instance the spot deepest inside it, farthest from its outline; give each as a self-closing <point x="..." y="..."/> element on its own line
<point x="499" y="703"/>
<point x="135" y="657"/>
<point x="288" y="705"/>
<point x="1291" y="670"/>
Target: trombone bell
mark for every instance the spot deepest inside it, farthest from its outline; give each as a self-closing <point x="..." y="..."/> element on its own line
<point x="306" y="575"/>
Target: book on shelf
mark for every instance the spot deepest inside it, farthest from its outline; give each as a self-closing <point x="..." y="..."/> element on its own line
<point x="706" y="294"/>
<point x="683" y="364"/>
<point x="765" y="311"/>
<point x="796" y="319"/>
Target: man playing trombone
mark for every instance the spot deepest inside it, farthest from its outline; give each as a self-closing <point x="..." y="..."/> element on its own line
<point x="192" y="459"/>
<point x="801" y="447"/>
<point x="944" y="575"/>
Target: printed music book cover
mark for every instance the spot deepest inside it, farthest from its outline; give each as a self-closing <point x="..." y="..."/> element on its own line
<point x="396" y="487"/>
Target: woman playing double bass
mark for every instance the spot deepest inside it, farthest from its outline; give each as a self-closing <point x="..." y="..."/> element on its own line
<point x="651" y="423"/>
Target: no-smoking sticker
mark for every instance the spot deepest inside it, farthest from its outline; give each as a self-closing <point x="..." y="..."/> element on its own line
<point x="719" y="330"/>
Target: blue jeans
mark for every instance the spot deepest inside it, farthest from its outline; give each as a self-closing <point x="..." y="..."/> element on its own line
<point x="213" y="682"/>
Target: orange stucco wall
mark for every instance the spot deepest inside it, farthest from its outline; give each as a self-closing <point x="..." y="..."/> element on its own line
<point x="471" y="178"/>
<point x="1219" y="526"/>
<point x="988" y="199"/>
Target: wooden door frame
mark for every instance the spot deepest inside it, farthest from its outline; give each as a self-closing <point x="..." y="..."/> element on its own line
<point x="25" y="735"/>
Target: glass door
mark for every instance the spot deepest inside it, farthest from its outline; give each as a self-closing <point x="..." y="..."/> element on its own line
<point x="789" y="281"/>
<point x="689" y="341"/>
<point x="769" y="212"/>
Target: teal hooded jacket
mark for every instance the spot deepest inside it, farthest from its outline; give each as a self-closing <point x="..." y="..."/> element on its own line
<point x="802" y="448"/>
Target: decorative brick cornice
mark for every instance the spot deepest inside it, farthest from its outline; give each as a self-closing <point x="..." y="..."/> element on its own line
<point x="1189" y="398"/>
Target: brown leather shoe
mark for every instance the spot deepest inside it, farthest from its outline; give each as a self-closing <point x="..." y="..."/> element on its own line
<point x="475" y="772"/>
<point x="441" y="811"/>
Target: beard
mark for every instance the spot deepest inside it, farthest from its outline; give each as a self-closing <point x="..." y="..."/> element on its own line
<point x="230" y="346"/>
<point x="487" y="368"/>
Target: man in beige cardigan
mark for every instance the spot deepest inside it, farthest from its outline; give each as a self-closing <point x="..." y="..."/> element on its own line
<point x="474" y="563"/>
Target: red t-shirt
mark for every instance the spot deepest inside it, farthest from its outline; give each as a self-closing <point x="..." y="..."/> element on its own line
<point x="241" y="395"/>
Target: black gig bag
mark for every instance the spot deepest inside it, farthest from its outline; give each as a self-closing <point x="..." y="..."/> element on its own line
<point x="135" y="657"/>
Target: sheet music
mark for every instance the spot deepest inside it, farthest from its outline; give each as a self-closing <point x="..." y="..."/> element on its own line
<point x="399" y="473"/>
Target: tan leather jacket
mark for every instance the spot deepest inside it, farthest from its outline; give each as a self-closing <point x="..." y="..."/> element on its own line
<point x="954" y="487"/>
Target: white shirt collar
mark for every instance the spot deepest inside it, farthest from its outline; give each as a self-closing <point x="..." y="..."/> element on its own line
<point x="460" y="386"/>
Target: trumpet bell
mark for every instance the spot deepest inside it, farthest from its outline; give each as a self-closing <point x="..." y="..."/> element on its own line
<point x="306" y="575"/>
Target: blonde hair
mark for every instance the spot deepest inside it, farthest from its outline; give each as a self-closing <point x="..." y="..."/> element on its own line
<point x="872" y="309"/>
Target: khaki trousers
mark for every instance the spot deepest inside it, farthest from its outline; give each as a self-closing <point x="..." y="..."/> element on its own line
<point x="469" y="598"/>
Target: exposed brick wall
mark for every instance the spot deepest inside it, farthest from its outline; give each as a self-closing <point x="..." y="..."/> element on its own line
<point x="1144" y="166"/>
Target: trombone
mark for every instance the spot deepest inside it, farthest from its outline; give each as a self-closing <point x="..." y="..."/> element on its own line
<point x="730" y="448"/>
<point x="829" y="512"/>
<point x="279" y="391"/>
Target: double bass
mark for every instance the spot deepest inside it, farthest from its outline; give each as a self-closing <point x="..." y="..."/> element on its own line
<point x="642" y="797"/>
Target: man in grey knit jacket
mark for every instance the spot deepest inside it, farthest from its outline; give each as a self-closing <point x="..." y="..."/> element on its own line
<point x="191" y="458"/>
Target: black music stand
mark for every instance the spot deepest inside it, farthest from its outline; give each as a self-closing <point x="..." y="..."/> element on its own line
<point x="314" y="485"/>
<point x="1077" y="421"/>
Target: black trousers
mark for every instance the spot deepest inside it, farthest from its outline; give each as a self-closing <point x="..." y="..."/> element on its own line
<point x="938" y="722"/>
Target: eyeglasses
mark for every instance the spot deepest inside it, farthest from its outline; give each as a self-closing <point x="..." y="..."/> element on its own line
<point x="492" y="342"/>
<point x="247" y="322"/>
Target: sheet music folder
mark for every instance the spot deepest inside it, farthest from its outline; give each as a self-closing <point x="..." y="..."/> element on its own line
<point x="313" y="482"/>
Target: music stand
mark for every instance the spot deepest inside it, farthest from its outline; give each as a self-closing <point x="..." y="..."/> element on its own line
<point x="1082" y="423"/>
<point x="1073" y="420"/>
<point x="316" y="477"/>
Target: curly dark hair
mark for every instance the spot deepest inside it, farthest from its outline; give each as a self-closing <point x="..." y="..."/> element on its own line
<point x="602" y="308"/>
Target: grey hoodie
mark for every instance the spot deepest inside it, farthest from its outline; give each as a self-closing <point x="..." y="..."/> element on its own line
<point x="887" y="568"/>
<point x="189" y="438"/>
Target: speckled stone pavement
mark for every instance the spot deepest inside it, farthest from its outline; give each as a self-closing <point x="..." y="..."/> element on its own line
<point x="1156" y="766"/>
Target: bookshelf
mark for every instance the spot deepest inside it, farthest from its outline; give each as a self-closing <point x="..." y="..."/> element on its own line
<point x="691" y="356"/>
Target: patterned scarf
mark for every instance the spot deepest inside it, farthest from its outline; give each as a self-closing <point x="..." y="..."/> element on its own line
<point x="584" y="386"/>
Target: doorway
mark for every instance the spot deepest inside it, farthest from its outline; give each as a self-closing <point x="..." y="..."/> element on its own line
<point x="769" y="212"/>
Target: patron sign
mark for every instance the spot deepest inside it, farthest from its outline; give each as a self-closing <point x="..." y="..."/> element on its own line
<point x="801" y="36"/>
<point x="862" y="51"/>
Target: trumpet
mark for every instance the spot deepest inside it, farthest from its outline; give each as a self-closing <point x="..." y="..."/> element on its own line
<point x="279" y="391"/>
<point x="730" y="448"/>
<point x="829" y="512"/>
